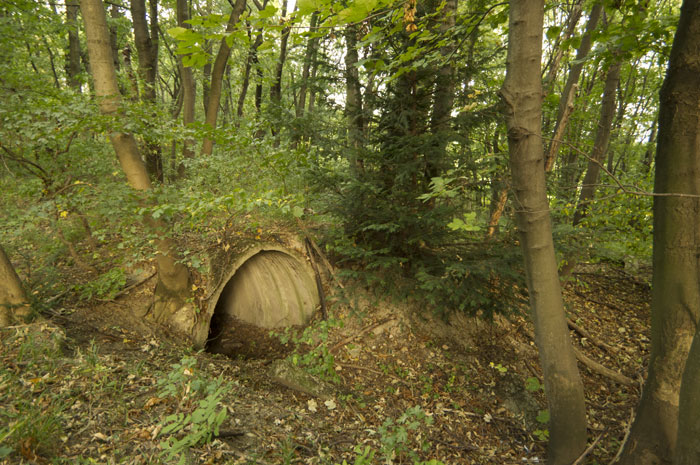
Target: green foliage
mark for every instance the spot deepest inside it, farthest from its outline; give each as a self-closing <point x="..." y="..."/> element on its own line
<point x="400" y="437"/>
<point x="200" y="415"/>
<point x="32" y="415"/>
<point x="317" y="360"/>
<point x="104" y="287"/>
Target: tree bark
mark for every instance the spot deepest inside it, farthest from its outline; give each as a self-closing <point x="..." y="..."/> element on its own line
<point x="570" y="86"/>
<point x="522" y="97"/>
<point x="172" y="293"/>
<point x="675" y="304"/>
<point x="309" y="55"/>
<point x="14" y="305"/>
<point x="276" y="89"/>
<point x="73" y="52"/>
<point x="250" y="60"/>
<point x="147" y="48"/>
<point x="188" y="90"/>
<point x="441" y="118"/>
<point x="555" y="62"/>
<point x="602" y="140"/>
<point x="353" y="99"/>
<point x="217" y="77"/>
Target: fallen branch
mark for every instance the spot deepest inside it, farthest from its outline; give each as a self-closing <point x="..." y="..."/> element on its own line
<point x="317" y="276"/>
<point x="588" y="450"/>
<point x="597" y="368"/>
<point x="584" y="333"/>
<point x="363" y="331"/>
<point x="592" y="365"/>
<point x="599" y="302"/>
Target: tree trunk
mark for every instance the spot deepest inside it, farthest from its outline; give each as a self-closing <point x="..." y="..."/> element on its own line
<point x="172" y="293"/>
<point x="114" y="36"/>
<point x="147" y="48"/>
<point x="217" y="77"/>
<point x="441" y="118"/>
<point x="309" y="55"/>
<point x="73" y="52"/>
<point x="675" y="303"/>
<point x="353" y="99"/>
<point x="276" y="89"/>
<point x="188" y="89"/>
<point x="570" y="86"/>
<point x="602" y="140"/>
<point x="648" y="153"/>
<point x="558" y="54"/>
<point x="14" y="306"/>
<point x="522" y="97"/>
<point x="252" y="57"/>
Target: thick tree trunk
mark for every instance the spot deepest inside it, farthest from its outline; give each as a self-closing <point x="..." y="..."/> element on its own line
<point x="570" y="86"/>
<point x="171" y="304"/>
<point x="688" y="449"/>
<point x="14" y="306"/>
<point x="522" y="96"/>
<point x="353" y="99"/>
<point x="602" y="140"/>
<point x="73" y="52"/>
<point x="217" y="77"/>
<point x="675" y="304"/>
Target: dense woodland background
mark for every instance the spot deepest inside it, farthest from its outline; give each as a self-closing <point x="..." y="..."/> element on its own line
<point x="376" y="127"/>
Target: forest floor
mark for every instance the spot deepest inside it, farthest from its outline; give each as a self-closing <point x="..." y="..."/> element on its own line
<point x="89" y="385"/>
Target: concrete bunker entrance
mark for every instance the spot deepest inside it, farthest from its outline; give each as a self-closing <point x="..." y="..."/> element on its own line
<point x="270" y="289"/>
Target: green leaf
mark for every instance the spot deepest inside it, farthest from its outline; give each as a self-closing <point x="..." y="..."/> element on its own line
<point x="268" y="12"/>
<point x="543" y="417"/>
<point x="532" y="384"/>
<point x="553" y="32"/>
<point x="297" y="211"/>
<point x="176" y="32"/>
<point x="306" y="7"/>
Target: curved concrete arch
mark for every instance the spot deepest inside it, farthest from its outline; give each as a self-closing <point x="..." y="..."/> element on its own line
<point x="267" y="286"/>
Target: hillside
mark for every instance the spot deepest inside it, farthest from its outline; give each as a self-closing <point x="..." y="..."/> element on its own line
<point x="92" y="385"/>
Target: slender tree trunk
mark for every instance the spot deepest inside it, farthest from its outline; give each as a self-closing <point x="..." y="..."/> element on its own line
<point x="441" y="118"/>
<point x="558" y="54"/>
<point x="147" y="48"/>
<point x="311" y="46"/>
<point x="252" y="56"/>
<point x="602" y="140"/>
<point x="114" y="36"/>
<point x="73" y="52"/>
<point x="171" y="304"/>
<point x="353" y="99"/>
<point x="675" y="301"/>
<point x="217" y="77"/>
<point x="566" y="98"/>
<point x="276" y="88"/>
<point x="14" y="305"/>
<point x="522" y="96"/>
<point x="648" y="153"/>
<point x="188" y="89"/>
